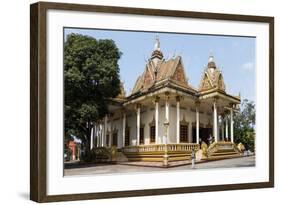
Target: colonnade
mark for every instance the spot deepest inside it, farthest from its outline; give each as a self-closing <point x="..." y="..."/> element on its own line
<point x="100" y="130"/>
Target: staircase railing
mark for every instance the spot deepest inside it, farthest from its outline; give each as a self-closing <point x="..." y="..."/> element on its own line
<point x="104" y="154"/>
<point x="214" y="147"/>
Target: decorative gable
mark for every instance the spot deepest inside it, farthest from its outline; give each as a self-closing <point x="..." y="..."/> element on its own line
<point x="205" y="83"/>
<point x="179" y="75"/>
<point x="148" y="78"/>
<point x="212" y="77"/>
<point x="221" y="84"/>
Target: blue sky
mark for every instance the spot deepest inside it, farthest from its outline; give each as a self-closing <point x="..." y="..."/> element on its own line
<point x="234" y="55"/>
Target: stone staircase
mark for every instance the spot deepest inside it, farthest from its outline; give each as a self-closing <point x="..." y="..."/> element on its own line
<point x="121" y="157"/>
<point x="222" y="150"/>
<point x="104" y="154"/>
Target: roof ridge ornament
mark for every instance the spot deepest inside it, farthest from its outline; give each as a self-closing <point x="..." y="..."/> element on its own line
<point x="211" y="61"/>
<point x="156" y="55"/>
<point x="157" y="43"/>
<point x="211" y="56"/>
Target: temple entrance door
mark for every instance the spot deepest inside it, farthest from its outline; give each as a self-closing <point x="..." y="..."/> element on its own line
<point x="194" y="133"/>
<point x="107" y="140"/>
<point x="142" y="135"/>
<point x="204" y="135"/>
<point x="114" y="140"/>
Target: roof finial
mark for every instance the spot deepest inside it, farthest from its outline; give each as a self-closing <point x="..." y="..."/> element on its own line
<point x="157" y="43"/>
<point x="211" y="61"/>
<point x="211" y="56"/>
<point x="156" y="54"/>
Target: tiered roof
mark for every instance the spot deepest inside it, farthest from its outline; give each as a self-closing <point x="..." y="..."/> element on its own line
<point x="212" y="77"/>
<point x="159" y="73"/>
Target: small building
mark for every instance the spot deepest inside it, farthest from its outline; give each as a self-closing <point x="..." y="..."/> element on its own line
<point x="72" y="150"/>
<point x="162" y="93"/>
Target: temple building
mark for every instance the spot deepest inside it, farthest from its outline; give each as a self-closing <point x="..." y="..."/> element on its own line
<point x="165" y="114"/>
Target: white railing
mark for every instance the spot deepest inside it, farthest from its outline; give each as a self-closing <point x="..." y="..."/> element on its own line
<point x="161" y="147"/>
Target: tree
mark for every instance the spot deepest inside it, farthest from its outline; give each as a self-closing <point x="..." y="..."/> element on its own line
<point x="244" y="125"/>
<point x="91" y="76"/>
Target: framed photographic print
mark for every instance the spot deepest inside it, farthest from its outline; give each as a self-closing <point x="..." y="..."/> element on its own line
<point x="135" y="102"/>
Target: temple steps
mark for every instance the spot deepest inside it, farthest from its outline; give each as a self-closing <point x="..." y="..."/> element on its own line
<point x="158" y="156"/>
<point x="222" y="150"/>
<point x="218" y="157"/>
<point x="224" y="153"/>
<point x="121" y="157"/>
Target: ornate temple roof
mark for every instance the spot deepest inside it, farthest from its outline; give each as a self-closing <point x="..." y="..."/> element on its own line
<point x="159" y="73"/>
<point x="212" y="77"/>
<point x="158" y="70"/>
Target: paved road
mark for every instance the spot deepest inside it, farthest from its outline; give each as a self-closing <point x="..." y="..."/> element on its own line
<point x="109" y="169"/>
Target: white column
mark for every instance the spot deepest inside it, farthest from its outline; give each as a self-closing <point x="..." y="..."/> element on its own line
<point x="95" y="135"/>
<point x="178" y="119"/>
<point x="138" y="124"/>
<point x="110" y="133"/>
<point x="218" y="127"/>
<point x="101" y="135"/>
<point x="215" y="128"/>
<point x="98" y="136"/>
<point x="157" y="120"/>
<point x="92" y="138"/>
<point x="226" y="128"/>
<point x="167" y="111"/>
<point x="197" y="124"/>
<point x="124" y="129"/>
<point x="231" y="125"/>
<point x="105" y="131"/>
<point x="222" y="128"/>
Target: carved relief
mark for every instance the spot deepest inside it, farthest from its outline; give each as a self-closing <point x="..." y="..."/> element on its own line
<point x="147" y="78"/>
<point x="205" y="83"/>
<point x="221" y="84"/>
<point x="179" y="76"/>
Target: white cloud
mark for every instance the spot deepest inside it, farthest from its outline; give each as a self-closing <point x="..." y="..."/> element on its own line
<point x="248" y="66"/>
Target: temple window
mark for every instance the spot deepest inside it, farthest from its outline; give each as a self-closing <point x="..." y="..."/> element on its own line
<point x="152" y="134"/>
<point x="152" y="130"/>
<point x="107" y="139"/>
<point x="183" y="131"/>
<point x="142" y="134"/>
<point x="127" y="136"/>
<point x="115" y="138"/>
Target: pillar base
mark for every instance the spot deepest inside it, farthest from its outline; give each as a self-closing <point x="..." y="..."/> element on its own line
<point x="166" y="160"/>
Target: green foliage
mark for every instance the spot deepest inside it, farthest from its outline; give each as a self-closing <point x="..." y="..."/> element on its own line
<point x="68" y="153"/>
<point x="244" y="125"/>
<point x="91" y="76"/>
